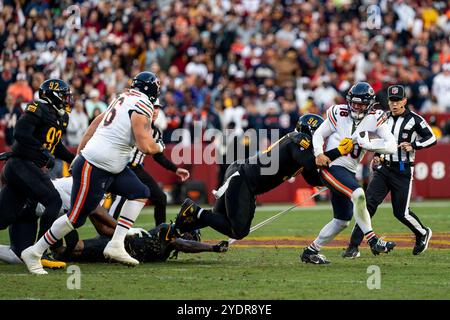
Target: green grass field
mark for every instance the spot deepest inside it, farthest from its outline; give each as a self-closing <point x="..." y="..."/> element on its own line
<point x="267" y="269"/>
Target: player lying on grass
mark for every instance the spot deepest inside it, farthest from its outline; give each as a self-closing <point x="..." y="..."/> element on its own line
<point x="154" y="245"/>
<point x="101" y="166"/>
<point x="235" y="206"/>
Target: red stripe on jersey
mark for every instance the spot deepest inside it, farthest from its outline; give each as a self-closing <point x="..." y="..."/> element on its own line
<point x="332" y="118"/>
<point x="145" y="108"/>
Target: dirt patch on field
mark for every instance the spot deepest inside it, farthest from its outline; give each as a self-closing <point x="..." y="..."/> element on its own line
<point x="438" y="241"/>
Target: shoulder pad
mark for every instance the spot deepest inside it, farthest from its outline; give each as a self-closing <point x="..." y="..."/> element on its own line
<point x="332" y="115"/>
<point x="34" y="108"/>
<point x="381" y="117"/>
<point x="301" y="139"/>
<point x="144" y="106"/>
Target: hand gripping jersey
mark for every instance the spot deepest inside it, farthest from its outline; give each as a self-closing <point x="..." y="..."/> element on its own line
<point x="339" y="124"/>
<point x="111" y="145"/>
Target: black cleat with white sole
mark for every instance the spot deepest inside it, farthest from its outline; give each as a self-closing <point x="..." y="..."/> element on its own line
<point x="351" y="252"/>
<point x="309" y="256"/>
<point x="382" y="246"/>
<point x="422" y="242"/>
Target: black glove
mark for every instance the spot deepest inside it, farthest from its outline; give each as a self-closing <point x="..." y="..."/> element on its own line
<point x="222" y="246"/>
<point x="46" y="160"/>
<point x="5" y="155"/>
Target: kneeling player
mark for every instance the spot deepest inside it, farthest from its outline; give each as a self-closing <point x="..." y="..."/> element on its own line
<point x="235" y="206"/>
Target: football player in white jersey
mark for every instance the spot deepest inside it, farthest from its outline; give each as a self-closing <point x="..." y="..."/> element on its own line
<point x="101" y="166"/>
<point x="355" y="120"/>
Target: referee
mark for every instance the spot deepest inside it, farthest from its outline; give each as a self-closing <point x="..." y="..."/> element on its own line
<point x="394" y="172"/>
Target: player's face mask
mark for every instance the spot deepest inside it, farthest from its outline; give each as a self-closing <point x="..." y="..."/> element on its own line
<point x="68" y="102"/>
<point x="358" y="110"/>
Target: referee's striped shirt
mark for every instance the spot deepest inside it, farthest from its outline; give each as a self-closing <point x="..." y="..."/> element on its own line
<point x="137" y="157"/>
<point x="409" y="127"/>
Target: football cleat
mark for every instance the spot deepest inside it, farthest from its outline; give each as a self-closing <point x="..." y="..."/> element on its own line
<point x="422" y="242"/>
<point x="351" y="252"/>
<point x="382" y="246"/>
<point x="309" y="256"/>
<point x="115" y="251"/>
<point x="33" y="261"/>
<point x="48" y="261"/>
<point x="186" y="219"/>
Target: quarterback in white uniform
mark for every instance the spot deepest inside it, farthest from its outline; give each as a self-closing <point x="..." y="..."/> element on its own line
<point x="101" y="166"/>
<point x="356" y="120"/>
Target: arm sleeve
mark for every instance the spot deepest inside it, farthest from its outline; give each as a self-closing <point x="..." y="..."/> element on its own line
<point x="23" y="132"/>
<point x="389" y="145"/>
<point x="62" y="153"/>
<point x="426" y="134"/>
<point x="164" y="162"/>
<point x="324" y="131"/>
<point x="306" y="159"/>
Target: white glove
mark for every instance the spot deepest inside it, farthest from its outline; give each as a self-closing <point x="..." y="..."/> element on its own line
<point x="364" y="142"/>
<point x="136" y="231"/>
<point x="161" y="145"/>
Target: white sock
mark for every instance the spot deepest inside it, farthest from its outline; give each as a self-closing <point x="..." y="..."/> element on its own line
<point x="58" y="230"/>
<point x="329" y="232"/>
<point x="8" y="256"/>
<point x="129" y="213"/>
<point x="360" y="211"/>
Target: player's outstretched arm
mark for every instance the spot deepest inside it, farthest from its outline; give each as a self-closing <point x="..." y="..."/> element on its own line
<point x="387" y="144"/>
<point x="142" y="131"/>
<point x="324" y="131"/>
<point x="61" y="152"/>
<point x="189" y="246"/>
<point x="90" y="131"/>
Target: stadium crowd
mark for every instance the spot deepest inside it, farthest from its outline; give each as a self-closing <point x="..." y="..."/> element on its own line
<point x="227" y="63"/>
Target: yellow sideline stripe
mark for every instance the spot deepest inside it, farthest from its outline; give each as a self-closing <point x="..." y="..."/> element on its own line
<point x="308" y="237"/>
<point x="329" y="246"/>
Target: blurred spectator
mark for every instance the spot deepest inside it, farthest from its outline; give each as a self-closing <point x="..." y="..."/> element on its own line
<point x="9" y="118"/>
<point x="95" y="114"/>
<point x="435" y="128"/>
<point x="78" y="123"/>
<point x="94" y="104"/>
<point x="21" y="90"/>
<point x="213" y="55"/>
<point x="441" y="88"/>
<point x="6" y="78"/>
